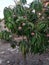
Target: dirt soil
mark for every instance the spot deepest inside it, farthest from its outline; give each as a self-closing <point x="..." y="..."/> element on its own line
<point x="9" y="56"/>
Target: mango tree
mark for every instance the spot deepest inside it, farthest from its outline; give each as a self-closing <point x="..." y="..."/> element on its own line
<point x="32" y="23"/>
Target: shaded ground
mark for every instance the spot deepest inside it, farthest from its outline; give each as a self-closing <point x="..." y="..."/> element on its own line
<point x="9" y="56"/>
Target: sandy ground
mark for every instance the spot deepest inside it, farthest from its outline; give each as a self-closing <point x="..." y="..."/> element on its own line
<point x="9" y="56"/>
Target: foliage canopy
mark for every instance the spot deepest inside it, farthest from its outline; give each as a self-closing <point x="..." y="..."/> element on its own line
<point x="32" y="23"/>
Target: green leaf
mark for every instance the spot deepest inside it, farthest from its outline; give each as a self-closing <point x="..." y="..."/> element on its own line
<point x="24" y="47"/>
<point x="5" y="35"/>
<point x="31" y="24"/>
<point x="42" y="26"/>
<point x="19" y="10"/>
<point x="36" y="5"/>
<point x="8" y="13"/>
<point x="23" y="1"/>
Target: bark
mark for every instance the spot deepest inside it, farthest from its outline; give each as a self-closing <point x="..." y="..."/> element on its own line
<point x="24" y="59"/>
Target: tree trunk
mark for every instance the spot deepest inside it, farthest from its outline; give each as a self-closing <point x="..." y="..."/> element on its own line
<point x="24" y="59"/>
